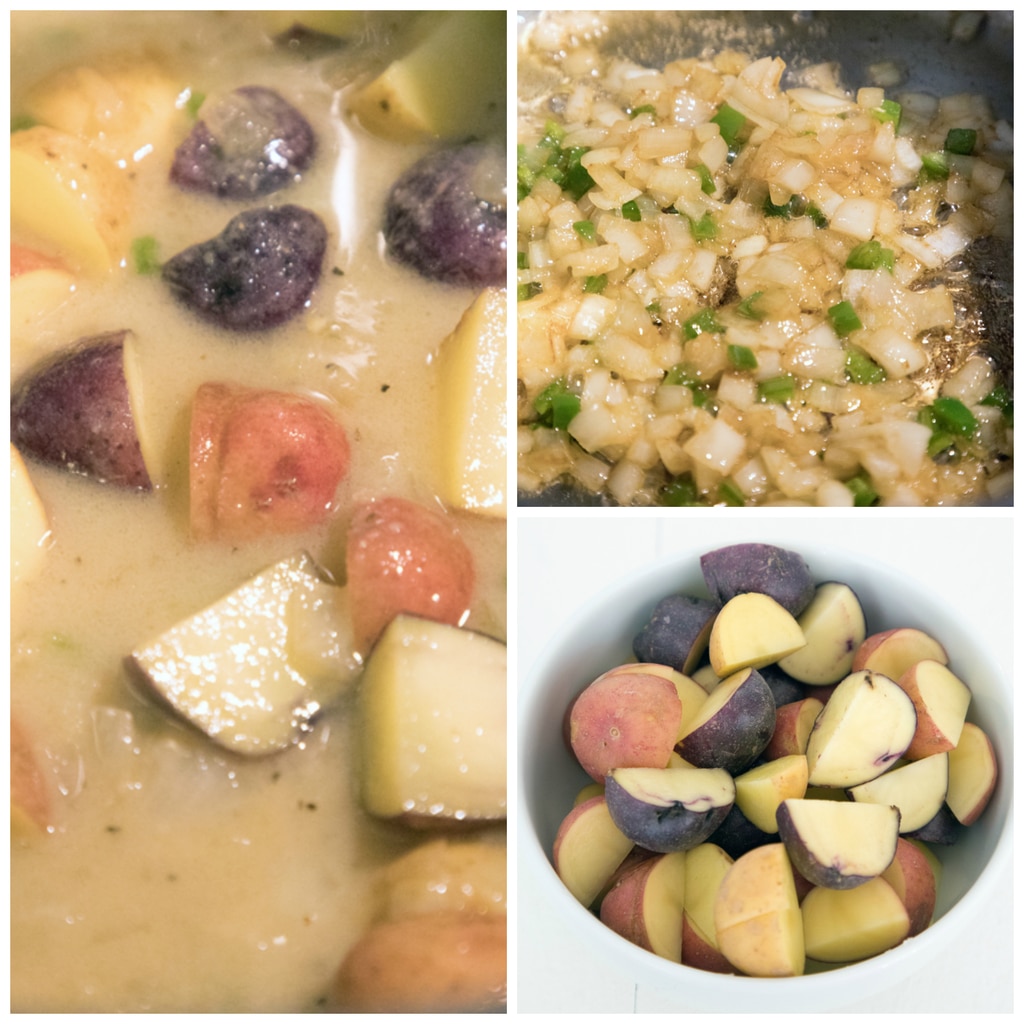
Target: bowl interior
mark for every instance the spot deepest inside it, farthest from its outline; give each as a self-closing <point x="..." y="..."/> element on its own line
<point x="601" y="636"/>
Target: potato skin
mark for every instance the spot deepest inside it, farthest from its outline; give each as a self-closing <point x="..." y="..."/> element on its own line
<point x="429" y="963"/>
<point x="737" y="733"/>
<point x="673" y="828"/>
<point x="759" y="568"/>
<point x="74" y="412"/>
<point x="625" y="720"/>
<point x="676" y="634"/>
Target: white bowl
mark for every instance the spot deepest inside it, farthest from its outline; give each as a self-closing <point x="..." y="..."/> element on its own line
<point x="600" y="636"/>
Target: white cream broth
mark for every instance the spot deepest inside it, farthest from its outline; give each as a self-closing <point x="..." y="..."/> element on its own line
<point x="176" y="877"/>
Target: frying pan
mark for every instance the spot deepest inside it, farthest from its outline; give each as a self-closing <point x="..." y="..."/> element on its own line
<point x="938" y="52"/>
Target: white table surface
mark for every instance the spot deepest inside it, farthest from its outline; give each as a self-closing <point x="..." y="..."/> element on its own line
<point x="562" y="559"/>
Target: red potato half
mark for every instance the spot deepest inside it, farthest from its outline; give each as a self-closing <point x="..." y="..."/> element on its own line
<point x="405" y="558"/>
<point x="706" y="866"/>
<point x="752" y="631"/>
<point x="691" y="694"/>
<point x="833" y="625"/>
<point x="261" y="462"/>
<point x="760" y="790"/>
<point x="441" y="962"/>
<point x="844" y="926"/>
<point x="758" y="923"/>
<point x="913" y="879"/>
<point x="30" y="798"/>
<point x="625" y="720"/>
<point x="917" y="789"/>
<point x="893" y="651"/>
<point x="837" y="844"/>
<point x="645" y="906"/>
<point x="588" y="849"/>
<point x="733" y="725"/>
<point x="668" y="810"/>
<point x="973" y="773"/>
<point x="866" y="725"/>
<point x="793" y="724"/>
<point x="941" y="700"/>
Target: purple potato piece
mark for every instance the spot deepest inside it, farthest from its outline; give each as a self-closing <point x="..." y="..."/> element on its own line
<point x="762" y="569"/>
<point x="677" y="632"/>
<point x="943" y="829"/>
<point x="785" y="689"/>
<point x="667" y="810"/>
<point x="248" y="144"/>
<point x="733" y="726"/>
<point x="74" y="412"/>
<point x="257" y="273"/>
<point x="737" y="834"/>
<point x="838" y="844"/>
<point x="445" y="217"/>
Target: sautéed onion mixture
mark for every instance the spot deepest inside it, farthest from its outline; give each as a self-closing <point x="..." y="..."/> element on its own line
<point x="258" y="515"/>
<point x="735" y="292"/>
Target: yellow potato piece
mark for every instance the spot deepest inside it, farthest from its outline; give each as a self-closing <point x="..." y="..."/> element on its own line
<point x="757" y="916"/>
<point x="30" y="525"/>
<point x="68" y="196"/>
<point x="846" y="925"/>
<point x="125" y="111"/>
<point x="433" y="726"/>
<point x="463" y="875"/>
<point x="451" y="85"/>
<point x="472" y="368"/>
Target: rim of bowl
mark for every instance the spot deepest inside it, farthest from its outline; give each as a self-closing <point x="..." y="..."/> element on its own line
<point x="836" y="985"/>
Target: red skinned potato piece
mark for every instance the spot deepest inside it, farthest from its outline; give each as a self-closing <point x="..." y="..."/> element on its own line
<point x="706" y="866"/>
<point x="941" y="700"/>
<point x="588" y="850"/>
<point x="439" y="962"/>
<point x="893" y="651"/>
<point x="761" y="569"/>
<point x="645" y="905"/>
<point x="625" y="720"/>
<point x="691" y="694"/>
<point x="30" y="801"/>
<point x="405" y="558"/>
<point x="911" y="876"/>
<point x="24" y="260"/>
<point x="262" y="462"/>
<point x="793" y="725"/>
<point x="973" y="773"/>
<point x="74" y="412"/>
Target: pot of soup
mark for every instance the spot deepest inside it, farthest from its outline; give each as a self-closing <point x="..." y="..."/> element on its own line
<point x="765" y="259"/>
<point x="257" y="458"/>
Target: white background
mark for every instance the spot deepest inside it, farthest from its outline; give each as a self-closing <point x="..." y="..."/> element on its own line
<point x="565" y="557"/>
